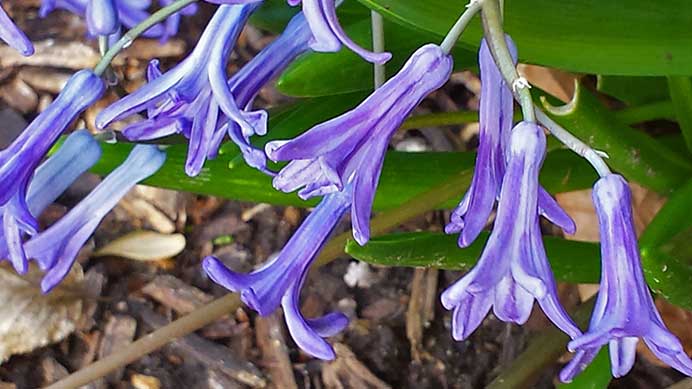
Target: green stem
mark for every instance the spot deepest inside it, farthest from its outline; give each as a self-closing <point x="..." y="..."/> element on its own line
<point x="680" y="88"/>
<point x="495" y="37"/>
<point x="229" y="303"/>
<point x="136" y="31"/>
<point x="453" y="35"/>
<point x="378" y="46"/>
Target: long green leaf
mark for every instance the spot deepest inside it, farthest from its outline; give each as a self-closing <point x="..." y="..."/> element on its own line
<point x="576" y="262"/>
<point x="681" y="93"/>
<point x="404" y="174"/>
<point x="588" y="36"/>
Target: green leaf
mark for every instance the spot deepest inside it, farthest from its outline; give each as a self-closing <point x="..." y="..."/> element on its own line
<point x="666" y="250"/>
<point x="587" y="36"/>
<point x="634" y="90"/>
<point x="635" y="154"/>
<point x="576" y="262"/>
<point x="404" y="174"/>
<point x="324" y="74"/>
<point x="596" y="376"/>
<point x="681" y="93"/>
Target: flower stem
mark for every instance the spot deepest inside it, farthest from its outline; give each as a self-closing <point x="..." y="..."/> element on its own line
<point x="495" y="37"/>
<point x="137" y="30"/>
<point x="453" y="35"/>
<point x="378" y="46"/>
<point x="207" y="314"/>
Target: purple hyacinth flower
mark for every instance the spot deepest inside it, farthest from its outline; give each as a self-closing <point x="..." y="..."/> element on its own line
<point x="190" y="97"/>
<point x="244" y="86"/>
<point x="13" y="36"/>
<point x="56" y="248"/>
<point x="328" y="35"/>
<point x="351" y="148"/>
<point x="102" y="17"/>
<point x="76" y="155"/>
<point x="513" y="269"/>
<point x="130" y="13"/>
<point x="624" y="310"/>
<point x="496" y="113"/>
<point x="20" y="159"/>
<point x="279" y="281"/>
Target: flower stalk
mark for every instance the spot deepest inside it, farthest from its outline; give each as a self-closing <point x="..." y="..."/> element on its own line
<point x="455" y="32"/>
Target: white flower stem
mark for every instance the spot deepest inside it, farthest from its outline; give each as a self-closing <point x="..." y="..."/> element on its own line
<point x="378" y="46"/>
<point x="495" y="36"/>
<point x="455" y="32"/>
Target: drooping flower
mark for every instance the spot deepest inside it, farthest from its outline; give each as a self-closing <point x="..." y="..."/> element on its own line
<point x="56" y="248"/>
<point x="351" y="148"/>
<point x="76" y="155"/>
<point x="173" y="22"/>
<point x="496" y="113"/>
<point x="328" y="35"/>
<point x="129" y="13"/>
<point x="279" y="281"/>
<point x="624" y="310"/>
<point x="13" y="36"/>
<point x="513" y="269"/>
<point x="190" y="97"/>
<point x="244" y="86"/>
<point x="19" y="161"/>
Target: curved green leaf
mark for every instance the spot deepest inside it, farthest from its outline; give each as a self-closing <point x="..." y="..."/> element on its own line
<point x="635" y="154"/>
<point x="587" y="36"/>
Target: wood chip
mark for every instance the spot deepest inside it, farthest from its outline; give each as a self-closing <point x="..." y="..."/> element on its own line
<point x="19" y="95"/>
<point x="118" y="333"/>
<point x="271" y="342"/>
<point x="209" y="354"/>
<point x="51" y="371"/>
<point x="176" y="294"/>
<point x="421" y="307"/>
<point x="346" y="371"/>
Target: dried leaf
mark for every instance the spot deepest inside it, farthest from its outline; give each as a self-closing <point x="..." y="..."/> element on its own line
<point x="144" y="246"/>
<point x="30" y="319"/>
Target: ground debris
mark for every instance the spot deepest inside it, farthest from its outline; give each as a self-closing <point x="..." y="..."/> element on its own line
<point x="207" y="353"/>
<point x="118" y="333"/>
<point x="272" y="344"/>
<point x="346" y="371"/>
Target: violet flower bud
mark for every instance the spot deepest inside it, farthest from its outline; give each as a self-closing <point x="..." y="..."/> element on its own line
<point x="20" y="159"/>
<point x="13" y="36"/>
<point x="102" y="17"/>
<point x="56" y="248"/>
<point x="328" y="35"/>
<point x="76" y="155"/>
<point x="496" y="115"/>
<point x="624" y="310"/>
<point x="190" y="97"/>
<point x="513" y="269"/>
<point x="351" y="148"/>
<point x="279" y="281"/>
